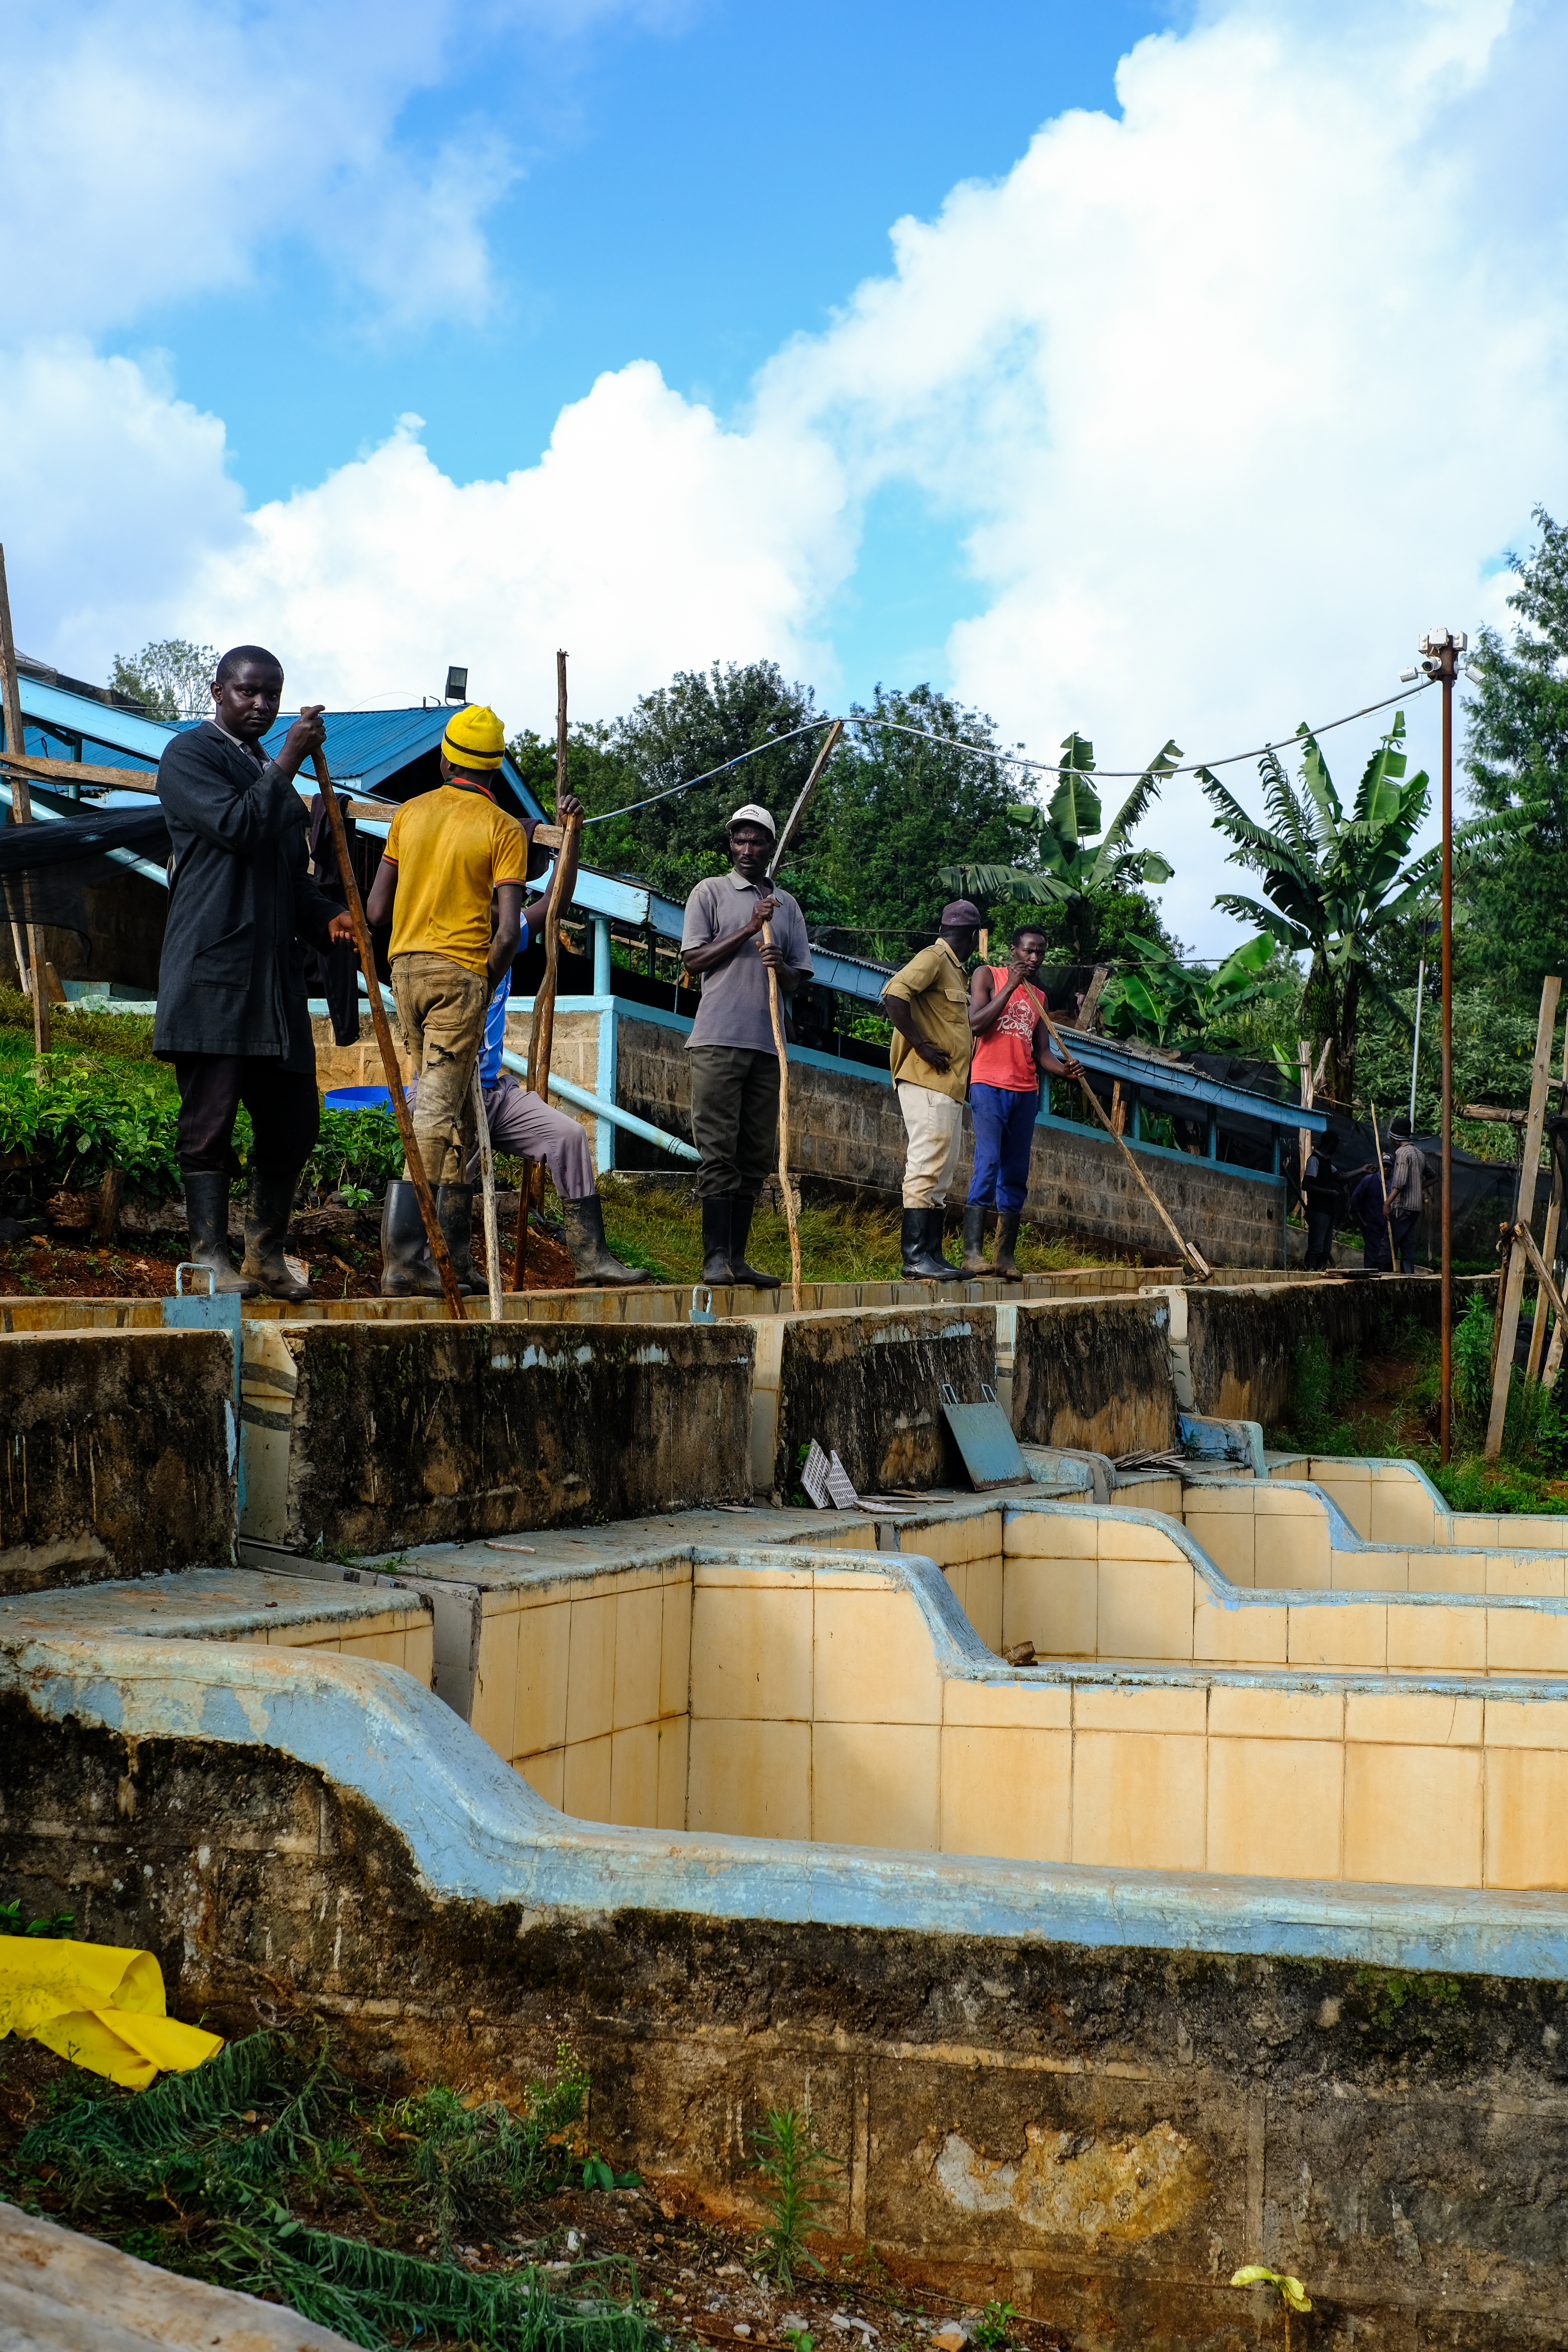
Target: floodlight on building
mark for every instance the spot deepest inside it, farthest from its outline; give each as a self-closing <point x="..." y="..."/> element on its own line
<point x="456" y="684"/>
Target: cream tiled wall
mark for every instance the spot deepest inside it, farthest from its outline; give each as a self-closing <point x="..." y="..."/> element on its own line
<point x="809" y="1703"/>
<point x="395" y="1637"/>
<point x="1267" y="1535"/>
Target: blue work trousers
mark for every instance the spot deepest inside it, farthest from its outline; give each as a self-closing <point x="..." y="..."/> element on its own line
<point x="1003" y="1131"/>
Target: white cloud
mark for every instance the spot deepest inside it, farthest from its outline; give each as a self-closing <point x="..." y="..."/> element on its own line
<point x="645" y="539"/>
<point x="1232" y="397"/>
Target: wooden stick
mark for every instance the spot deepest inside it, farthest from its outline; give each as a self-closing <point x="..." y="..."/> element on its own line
<point x="792" y="826"/>
<point x="1507" y="1325"/>
<point x="520" y="1246"/>
<point x="1383" y="1183"/>
<point x="417" y="1176"/>
<point x="488" y="1195"/>
<point x="1550" y="1293"/>
<point x="1189" y="1250"/>
<point x="22" y="812"/>
<point x="1554" y="1221"/>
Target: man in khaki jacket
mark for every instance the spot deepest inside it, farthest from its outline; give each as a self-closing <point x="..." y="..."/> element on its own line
<point x="928" y="1004"/>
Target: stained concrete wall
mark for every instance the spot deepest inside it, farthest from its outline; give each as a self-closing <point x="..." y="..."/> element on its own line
<point x="1243" y="1342"/>
<point x="847" y="1126"/>
<point x="115" y="1454"/>
<point x="1099" y="2128"/>
<point x="374" y="1436"/>
<point x="1095" y="1373"/>
<point x="868" y="1387"/>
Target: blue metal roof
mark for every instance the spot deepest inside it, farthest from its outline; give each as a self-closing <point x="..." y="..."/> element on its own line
<point x="369" y="748"/>
<point x="110" y="738"/>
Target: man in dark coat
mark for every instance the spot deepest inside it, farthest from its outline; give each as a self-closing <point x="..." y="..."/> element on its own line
<point x="232" y="1010"/>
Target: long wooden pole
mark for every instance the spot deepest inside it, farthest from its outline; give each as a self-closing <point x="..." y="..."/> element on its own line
<point x="22" y="811"/>
<point x="1189" y="1250"/>
<point x="417" y="1176"/>
<point x="541" y="1035"/>
<point x="1508" y="1318"/>
<point x="1554" y="1221"/>
<point x="792" y="826"/>
<point x="1383" y="1181"/>
<point x="487" y="1194"/>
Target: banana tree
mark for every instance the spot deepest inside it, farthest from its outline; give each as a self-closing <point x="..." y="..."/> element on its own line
<point x="1165" y="1003"/>
<point x="1338" y="882"/>
<point x="1076" y="854"/>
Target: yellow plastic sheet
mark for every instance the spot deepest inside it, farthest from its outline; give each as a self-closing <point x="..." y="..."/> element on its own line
<point x="100" y="2006"/>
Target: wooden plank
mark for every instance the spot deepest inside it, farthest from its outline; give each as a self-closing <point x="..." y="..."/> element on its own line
<point x="79" y="772"/>
<point x="1508" y="1325"/>
<point x="1553" y="1220"/>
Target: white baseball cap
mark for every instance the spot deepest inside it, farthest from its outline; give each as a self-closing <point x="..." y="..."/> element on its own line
<point x="752" y="814"/>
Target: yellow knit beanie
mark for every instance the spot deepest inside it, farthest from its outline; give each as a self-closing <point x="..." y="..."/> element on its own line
<point x="474" y="737"/>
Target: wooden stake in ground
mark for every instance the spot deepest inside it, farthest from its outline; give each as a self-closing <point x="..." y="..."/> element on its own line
<point x="542" y="1036"/>
<point x="1518" y="1257"/>
<point x="417" y="1176"/>
<point x="792" y="826"/>
<point x="488" y="1195"/>
<point x="1554" y="1221"/>
<point x="32" y="955"/>
<point x="1189" y="1250"/>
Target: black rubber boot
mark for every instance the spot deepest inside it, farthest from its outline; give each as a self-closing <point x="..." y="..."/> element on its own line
<point x="940" y="1268"/>
<point x="974" y="1240"/>
<point x="267" y="1210"/>
<point x="407" y="1269"/>
<point x="921" y="1263"/>
<point x="1007" y="1223"/>
<point x="716" y="1215"/>
<point x="740" y="1229"/>
<point x="455" y="1215"/>
<point x="598" y="1267"/>
<point x="207" y="1214"/>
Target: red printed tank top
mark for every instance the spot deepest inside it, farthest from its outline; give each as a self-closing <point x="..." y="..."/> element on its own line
<point x="1004" y="1056"/>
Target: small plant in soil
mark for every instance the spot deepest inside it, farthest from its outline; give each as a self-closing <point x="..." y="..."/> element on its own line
<point x="797" y="2169"/>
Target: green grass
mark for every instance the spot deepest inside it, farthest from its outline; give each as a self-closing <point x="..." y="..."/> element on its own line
<point x="661" y="1228"/>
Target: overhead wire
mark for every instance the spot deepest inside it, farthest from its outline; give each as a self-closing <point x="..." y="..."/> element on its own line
<point x="1012" y="759"/>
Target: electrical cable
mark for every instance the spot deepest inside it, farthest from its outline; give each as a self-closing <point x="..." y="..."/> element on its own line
<point x="1011" y="759"/>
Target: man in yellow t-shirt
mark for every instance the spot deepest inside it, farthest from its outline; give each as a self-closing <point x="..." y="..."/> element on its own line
<point x="448" y="853"/>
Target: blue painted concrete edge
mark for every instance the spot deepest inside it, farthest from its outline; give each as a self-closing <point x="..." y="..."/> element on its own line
<point x="476" y="1833"/>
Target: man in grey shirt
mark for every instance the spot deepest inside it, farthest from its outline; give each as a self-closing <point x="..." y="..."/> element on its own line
<point x="735" y="1061"/>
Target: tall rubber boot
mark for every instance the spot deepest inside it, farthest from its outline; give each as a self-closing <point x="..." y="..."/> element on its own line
<point x="740" y="1231"/>
<point x="267" y="1210"/>
<point x="455" y="1215"/>
<point x="598" y="1267"/>
<point x="407" y="1269"/>
<point x="921" y="1265"/>
<point x="716" y="1215"/>
<point x="974" y="1240"/>
<point x="1007" y="1223"/>
<point x="207" y="1214"/>
<point x="942" y="1269"/>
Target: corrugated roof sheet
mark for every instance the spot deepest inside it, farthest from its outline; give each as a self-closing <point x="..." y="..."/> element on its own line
<point x="371" y="747"/>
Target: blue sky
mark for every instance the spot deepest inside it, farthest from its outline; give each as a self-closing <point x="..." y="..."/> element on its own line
<point x="1144" y="372"/>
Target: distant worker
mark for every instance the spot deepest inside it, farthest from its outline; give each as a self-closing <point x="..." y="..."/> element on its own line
<point x="1012" y="1054"/>
<point x="735" y="1060"/>
<point x="233" y="1015"/>
<point x="928" y="1004"/>
<point x="448" y="853"/>
<point x="1369" y="1211"/>
<point x="1324" y="1194"/>
<point x="1404" y="1188"/>
<point x="526" y="1126"/>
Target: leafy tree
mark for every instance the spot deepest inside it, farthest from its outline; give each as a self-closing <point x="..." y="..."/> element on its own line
<point x="892" y="809"/>
<point x="1167" y="1002"/>
<point x="1336" y="880"/>
<point x="1076" y="861"/>
<point x="1516" y="752"/>
<point x="697" y="723"/>
<point x="171" y="675"/>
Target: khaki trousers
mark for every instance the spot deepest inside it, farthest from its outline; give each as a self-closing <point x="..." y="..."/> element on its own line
<point x="441" y="1008"/>
<point x="934" y="1124"/>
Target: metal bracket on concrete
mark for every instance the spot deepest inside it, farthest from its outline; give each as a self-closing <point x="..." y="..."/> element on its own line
<point x="456" y="1611"/>
<point x="213" y="1310"/>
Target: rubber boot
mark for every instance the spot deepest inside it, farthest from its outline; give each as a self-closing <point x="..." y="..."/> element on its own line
<point x="407" y="1269"/>
<point x="455" y="1215"/>
<point x="207" y="1214"/>
<point x="921" y="1265"/>
<point x="740" y="1229"/>
<point x="942" y="1269"/>
<point x="597" y="1268"/>
<point x="716" y="1215"/>
<point x="267" y="1210"/>
<point x="974" y="1241"/>
<point x="1007" y="1224"/>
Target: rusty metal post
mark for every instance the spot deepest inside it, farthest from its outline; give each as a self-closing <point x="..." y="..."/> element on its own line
<point x="1442" y="648"/>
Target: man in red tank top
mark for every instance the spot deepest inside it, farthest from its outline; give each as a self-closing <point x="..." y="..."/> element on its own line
<point x="1012" y="1054"/>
